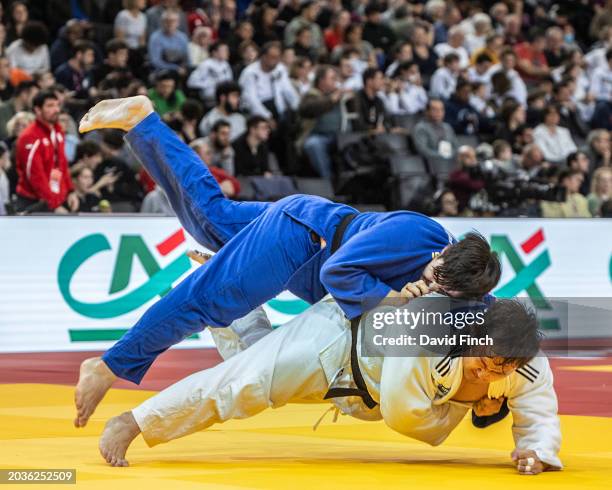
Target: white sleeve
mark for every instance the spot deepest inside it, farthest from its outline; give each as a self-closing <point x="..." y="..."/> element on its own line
<point x="406" y="394"/>
<point x="534" y="411"/>
<point x="289" y="93"/>
<point x="198" y="77"/>
<point x="250" y="98"/>
<point x="391" y="101"/>
<point x="596" y="85"/>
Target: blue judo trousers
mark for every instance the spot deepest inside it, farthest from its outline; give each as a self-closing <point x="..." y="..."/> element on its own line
<point x="263" y="249"/>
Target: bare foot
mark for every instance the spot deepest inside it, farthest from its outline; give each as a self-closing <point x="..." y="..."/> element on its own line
<point x="116" y="113"/>
<point x="95" y="379"/>
<point x="118" y="434"/>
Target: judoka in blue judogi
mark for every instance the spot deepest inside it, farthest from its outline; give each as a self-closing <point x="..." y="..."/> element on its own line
<point x="264" y="248"/>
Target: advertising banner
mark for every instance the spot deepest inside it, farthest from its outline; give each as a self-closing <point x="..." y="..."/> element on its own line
<point x="78" y="283"/>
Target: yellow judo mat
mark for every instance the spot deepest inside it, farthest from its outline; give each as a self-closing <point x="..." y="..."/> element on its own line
<point x="279" y="450"/>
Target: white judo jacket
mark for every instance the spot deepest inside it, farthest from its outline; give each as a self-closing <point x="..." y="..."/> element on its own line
<point x="300" y="361"/>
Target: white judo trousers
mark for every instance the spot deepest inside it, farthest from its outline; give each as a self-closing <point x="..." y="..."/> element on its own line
<point x="295" y="363"/>
<point x="300" y="361"/>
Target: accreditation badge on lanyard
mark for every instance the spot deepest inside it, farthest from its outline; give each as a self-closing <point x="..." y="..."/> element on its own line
<point x="55" y="177"/>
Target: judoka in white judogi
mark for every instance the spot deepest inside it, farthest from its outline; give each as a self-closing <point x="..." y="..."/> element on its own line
<point x="303" y="359"/>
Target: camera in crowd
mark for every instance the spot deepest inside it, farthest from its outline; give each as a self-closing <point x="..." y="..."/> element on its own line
<point x="507" y="192"/>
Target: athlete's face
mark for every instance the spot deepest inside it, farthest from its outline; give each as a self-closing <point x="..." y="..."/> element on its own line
<point x="429" y="277"/>
<point x="485" y="370"/>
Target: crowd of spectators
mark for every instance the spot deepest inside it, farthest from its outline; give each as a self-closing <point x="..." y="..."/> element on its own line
<point x="503" y="101"/>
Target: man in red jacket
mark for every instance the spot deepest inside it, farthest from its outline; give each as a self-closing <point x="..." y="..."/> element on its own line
<point x="44" y="179"/>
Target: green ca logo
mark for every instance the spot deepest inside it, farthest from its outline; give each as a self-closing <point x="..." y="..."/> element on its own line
<point x="158" y="284"/>
<point x="526" y="274"/>
<point x="159" y="281"/>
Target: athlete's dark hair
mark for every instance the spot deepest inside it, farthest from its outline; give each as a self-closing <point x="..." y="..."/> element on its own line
<point x="513" y="329"/>
<point x="469" y="267"/>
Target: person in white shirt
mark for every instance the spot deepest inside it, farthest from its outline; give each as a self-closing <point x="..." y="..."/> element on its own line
<point x="444" y="80"/>
<point x="454" y="45"/>
<point x="267" y="90"/>
<point x="228" y="104"/>
<point x="201" y="39"/>
<point x="481" y="29"/>
<point x="480" y="71"/>
<point x="601" y="81"/>
<point x="423" y="396"/>
<point x="555" y="142"/>
<point x="131" y="24"/>
<point x="351" y="69"/>
<point x="518" y="89"/>
<point x="409" y="96"/>
<point x="211" y="72"/>
<point x="30" y="53"/>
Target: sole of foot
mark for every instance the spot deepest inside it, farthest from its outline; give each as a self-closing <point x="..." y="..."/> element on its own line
<point x="95" y="379"/>
<point x="116" y="114"/>
<point x="118" y="434"/>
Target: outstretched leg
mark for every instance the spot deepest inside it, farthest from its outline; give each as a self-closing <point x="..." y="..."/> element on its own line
<point x="249" y="270"/>
<point x="281" y="368"/>
<point x="193" y="192"/>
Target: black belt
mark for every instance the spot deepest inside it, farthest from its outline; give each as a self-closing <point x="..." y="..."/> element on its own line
<point x="362" y="389"/>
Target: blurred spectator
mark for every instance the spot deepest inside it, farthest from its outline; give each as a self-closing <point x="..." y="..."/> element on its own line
<point x="477" y="38"/>
<point x="168" y="47"/>
<point x="131" y="24"/>
<point x="321" y="114"/>
<point x="601" y="81"/>
<point x="532" y="161"/>
<point x="251" y="152"/>
<point x="44" y="179"/>
<point x="351" y="70"/>
<point x="188" y="119"/>
<point x="531" y="61"/>
<point x="575" y="204"/>
<point x="511" y="117"/>
<point x="368" y="105"/>
<point x="266" y="88"/>
<point x="406" y="94"/>
<point x="334" y="35"/>
<point x="555" y="51"/>
<point x="456" y="39"/>
<point x="166" y="97"/>
<point x="493" y="47"/>
<point x="115" y="180"/>
<point x="598" y="149"/>
<point x="201" y="39"/>
<point x="6" y="87"/>
<point x="503" y="157"/>
<point x="30" y="52"/>
<point x="265" y="23"/>
<point x="578" y="160"/>
<point x="446" y="204"/>
<point x="155" y="16"/>
<point x="156" y="202"/>
<point x="462" y="180"/>
<point x="5" y="187"/>
<point x="17" y="124"/>
<point x="451" y="17"/>
<point x="75" y="74"/>
<point x="401" y="54"/>
<point x="71" y="135"/>
<point x="479" y="71"/>
<point x="433" y="138"/>
<point x="424" y="56"/>
<point x="18" y="17"/>
<point x="300" y="75"/>
<point x="88" y="154"/>
<point x="61" y="49"/>
<point x="376" y="32"/>
<point x="601" y="190"/>
<point x="21" y="101"/>
<point x="227" y="108"/>
<point x="444" y="80"/>
<point x="115" y="66"/>
<point x="309" y="10"/>
<point x="518" y="88"/>
<point x="211" y="72"/>
<point x="353" y="39"/>
<point x="229" y="184"/>
<point x="459" y="113"/>
<point x="83" y="182"/>
<point x="222" y="153"/>
<point x="555" y="142"/>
